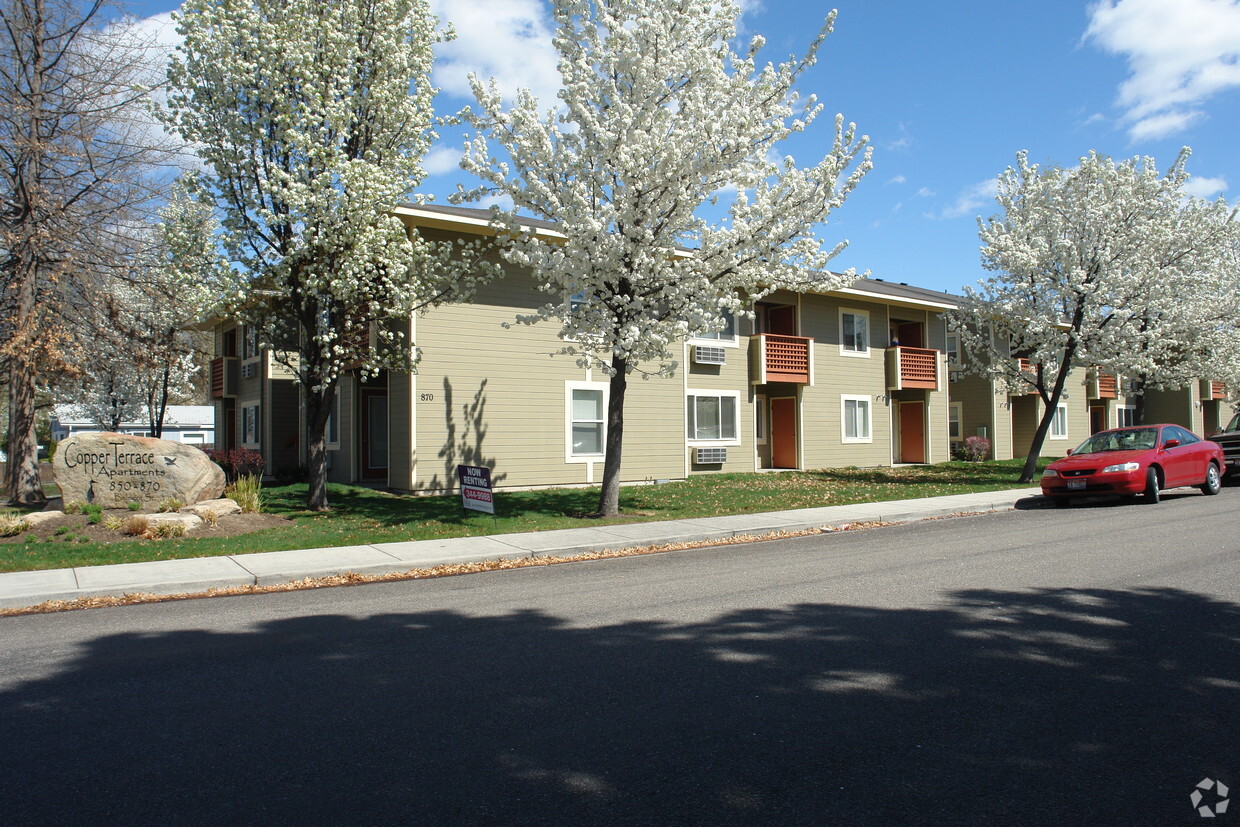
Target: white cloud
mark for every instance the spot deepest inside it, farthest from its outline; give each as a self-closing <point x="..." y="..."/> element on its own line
<point x="969" y="201"/>
<point x="509" y="40"/>
<point x="899" y="179"/>
<point x="1179" y="55"/>
<point x="442" y="159"/>
<point x="1205" y="187"/>
<point x="925" y="192"/>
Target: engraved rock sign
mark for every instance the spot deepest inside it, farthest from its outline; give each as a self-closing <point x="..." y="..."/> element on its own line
<point x="113" y="470"/>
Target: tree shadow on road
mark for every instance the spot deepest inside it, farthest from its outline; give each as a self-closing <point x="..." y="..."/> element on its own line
<point x="1038" y="707"/>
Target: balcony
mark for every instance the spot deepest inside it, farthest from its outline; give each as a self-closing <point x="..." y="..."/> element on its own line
<point x="912" y="368"/>
<point x="1030" y="370"/>
<point x="781" y="359"/>
<point x="1212" y="390"/>
<point x="1102" y="385"/>
<point x="224" y="372"/>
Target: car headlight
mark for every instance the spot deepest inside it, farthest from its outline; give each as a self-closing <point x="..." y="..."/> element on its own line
<point x="1123" y="466"/>
<point x="1049" y="473"/>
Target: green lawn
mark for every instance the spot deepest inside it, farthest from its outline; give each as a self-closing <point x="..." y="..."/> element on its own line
<point x="363" y="516"/>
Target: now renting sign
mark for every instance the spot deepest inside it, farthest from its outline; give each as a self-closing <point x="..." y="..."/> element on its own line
<point x="476" y="491"/>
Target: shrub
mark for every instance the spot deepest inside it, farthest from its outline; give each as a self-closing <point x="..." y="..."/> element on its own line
<point x="74" y="507"/>
<point x="247" y="492"/>
<point x="136" y="524"/>
<point x="165" y="530"/>
<point x="237" y="462"/>
<point x="135" y="506"/>
<point x="12" y="524"/>
<point x="170" y="504"/>
<point x="94" y="513"/>
<point x="976" y="448"/>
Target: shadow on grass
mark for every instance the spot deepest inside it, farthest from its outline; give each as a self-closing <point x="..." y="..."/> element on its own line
<point x="997" y="707"/>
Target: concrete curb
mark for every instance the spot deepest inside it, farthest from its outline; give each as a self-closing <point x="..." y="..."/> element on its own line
<point x="198" y="574"/>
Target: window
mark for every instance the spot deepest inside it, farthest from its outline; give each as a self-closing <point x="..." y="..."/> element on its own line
<point x="856" y="414"/>
<point x="854" y="333"/>
<point x="587" y="421"/>
<point x="953" y="350"/>
<point x="194" y="439"/>
<point x="1176" y="432"/>
<point x="333" y="427"/>
<point x="249" y="342"/>
<point x="249" y="425"/>
<point x="1059" y="423"/>
<point x="725" y="336"/>
<point x="759" y="419"/>
<point x="712" y="416"/>
<point x="1126" y="417"/>
<point x="954" y="413"/>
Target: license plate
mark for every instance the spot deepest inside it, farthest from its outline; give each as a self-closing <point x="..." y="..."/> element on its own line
<point x="1076" y="485"/>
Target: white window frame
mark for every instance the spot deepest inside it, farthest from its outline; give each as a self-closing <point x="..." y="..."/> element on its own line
<point x="956" y="408"/>
<point x="1054" y="433"/>
<point x="845" y="398"/>
<point x="249" y="343"/>
<point x="601" y="387"/>
<point x="844" y="349"/>
<point x="333" y="421"/>
<point x="1120" y="410"/>
<point x="247" y="425"/>
<point x="718" y="338"/>
<point x="736" y="401"/>
<point x="952" y="345"/>
<point x="760" y="424"/>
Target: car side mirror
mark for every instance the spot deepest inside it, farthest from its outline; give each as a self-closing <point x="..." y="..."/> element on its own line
<point x="1171" y="443"/>
<point x="1069" y="453"/>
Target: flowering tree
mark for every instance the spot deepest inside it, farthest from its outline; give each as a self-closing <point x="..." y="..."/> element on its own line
<point x="75" y="164"/>
<point x="312" y="119"/>
<point x="659" y="117"/>
<point x="1095" y="266"/>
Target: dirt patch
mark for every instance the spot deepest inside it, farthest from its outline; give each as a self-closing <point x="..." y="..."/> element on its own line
<point x="78" y="528"/>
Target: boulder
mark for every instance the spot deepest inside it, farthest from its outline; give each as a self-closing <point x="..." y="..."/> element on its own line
<point x="113" y="470"/>
<point x="217" y="507"/>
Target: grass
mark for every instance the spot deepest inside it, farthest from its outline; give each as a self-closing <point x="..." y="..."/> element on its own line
<point x="363" y="516"/>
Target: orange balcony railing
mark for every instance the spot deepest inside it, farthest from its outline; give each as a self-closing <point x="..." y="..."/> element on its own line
<point x="912" y="367"/>
<point x="782" y="358"/>
<point x="223" y="376"/>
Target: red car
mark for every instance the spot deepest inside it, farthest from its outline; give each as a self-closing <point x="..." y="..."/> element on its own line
<point x="1146" y="459"/>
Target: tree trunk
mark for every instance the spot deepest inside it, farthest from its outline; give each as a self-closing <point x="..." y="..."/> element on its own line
<point x="318" y="410"/>
<point x="1138" y="400"/>
<point x="609" y="497"/>
<point x="24" y="486"/>
<point x="1052" y="404"/>
<point x="161" y="408"/>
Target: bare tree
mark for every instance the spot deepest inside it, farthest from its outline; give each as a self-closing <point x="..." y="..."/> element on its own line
<point x="76" y="150"/>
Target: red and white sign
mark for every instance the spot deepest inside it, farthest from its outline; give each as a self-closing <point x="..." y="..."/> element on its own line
<point x="476" y="491"/>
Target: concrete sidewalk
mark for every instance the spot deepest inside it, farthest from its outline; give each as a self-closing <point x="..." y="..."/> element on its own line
<point x="27" y="588"/>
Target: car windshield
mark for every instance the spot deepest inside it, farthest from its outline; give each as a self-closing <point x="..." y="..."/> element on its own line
<point x="1234" y="425"/>
<point x="1134" y="439"/>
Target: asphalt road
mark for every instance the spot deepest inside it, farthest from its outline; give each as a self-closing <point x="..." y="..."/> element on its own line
<point x="1041" y="666"/>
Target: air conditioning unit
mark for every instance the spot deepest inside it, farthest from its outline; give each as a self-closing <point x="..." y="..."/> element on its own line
<point x="249" y="370"/>
<point x="711" y="456"/>
<point x="709" y="355"/>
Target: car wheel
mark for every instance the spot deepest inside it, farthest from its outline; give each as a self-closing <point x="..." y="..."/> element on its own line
<point x="1213" y="481"/>
<point x="1152" y="492"/>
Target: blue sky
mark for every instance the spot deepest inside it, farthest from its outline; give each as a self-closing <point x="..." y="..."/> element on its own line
<point x="948" y="93"/>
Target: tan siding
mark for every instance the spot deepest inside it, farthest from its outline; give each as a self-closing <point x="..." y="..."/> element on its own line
<point x="1174" y="406"/>
<point x="732" y="376"/>
<point x="498" y="399"/>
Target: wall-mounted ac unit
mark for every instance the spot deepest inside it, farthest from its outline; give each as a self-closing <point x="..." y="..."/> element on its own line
<point x="249" y="370"/>
<point x="709" y="355"/>
<point x="711" y="456"/>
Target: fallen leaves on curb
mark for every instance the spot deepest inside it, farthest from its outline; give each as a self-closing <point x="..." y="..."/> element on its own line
<point x="446" y="570"/>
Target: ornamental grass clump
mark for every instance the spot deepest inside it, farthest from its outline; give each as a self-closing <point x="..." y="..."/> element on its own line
<point x="170" y="504"/>
<point x="12" y="524"/>
<point x="247" y="492"/>
<point x="137" y="525"/>
<point x="165" y="530"/>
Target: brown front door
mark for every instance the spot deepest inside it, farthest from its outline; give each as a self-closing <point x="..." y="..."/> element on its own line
<point x="782" y="321"/>
<point x="912" y="432"/>
<point x="374" y="433"/>
<point x="784" y="432"/>
<point x="1097" y="418"/>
